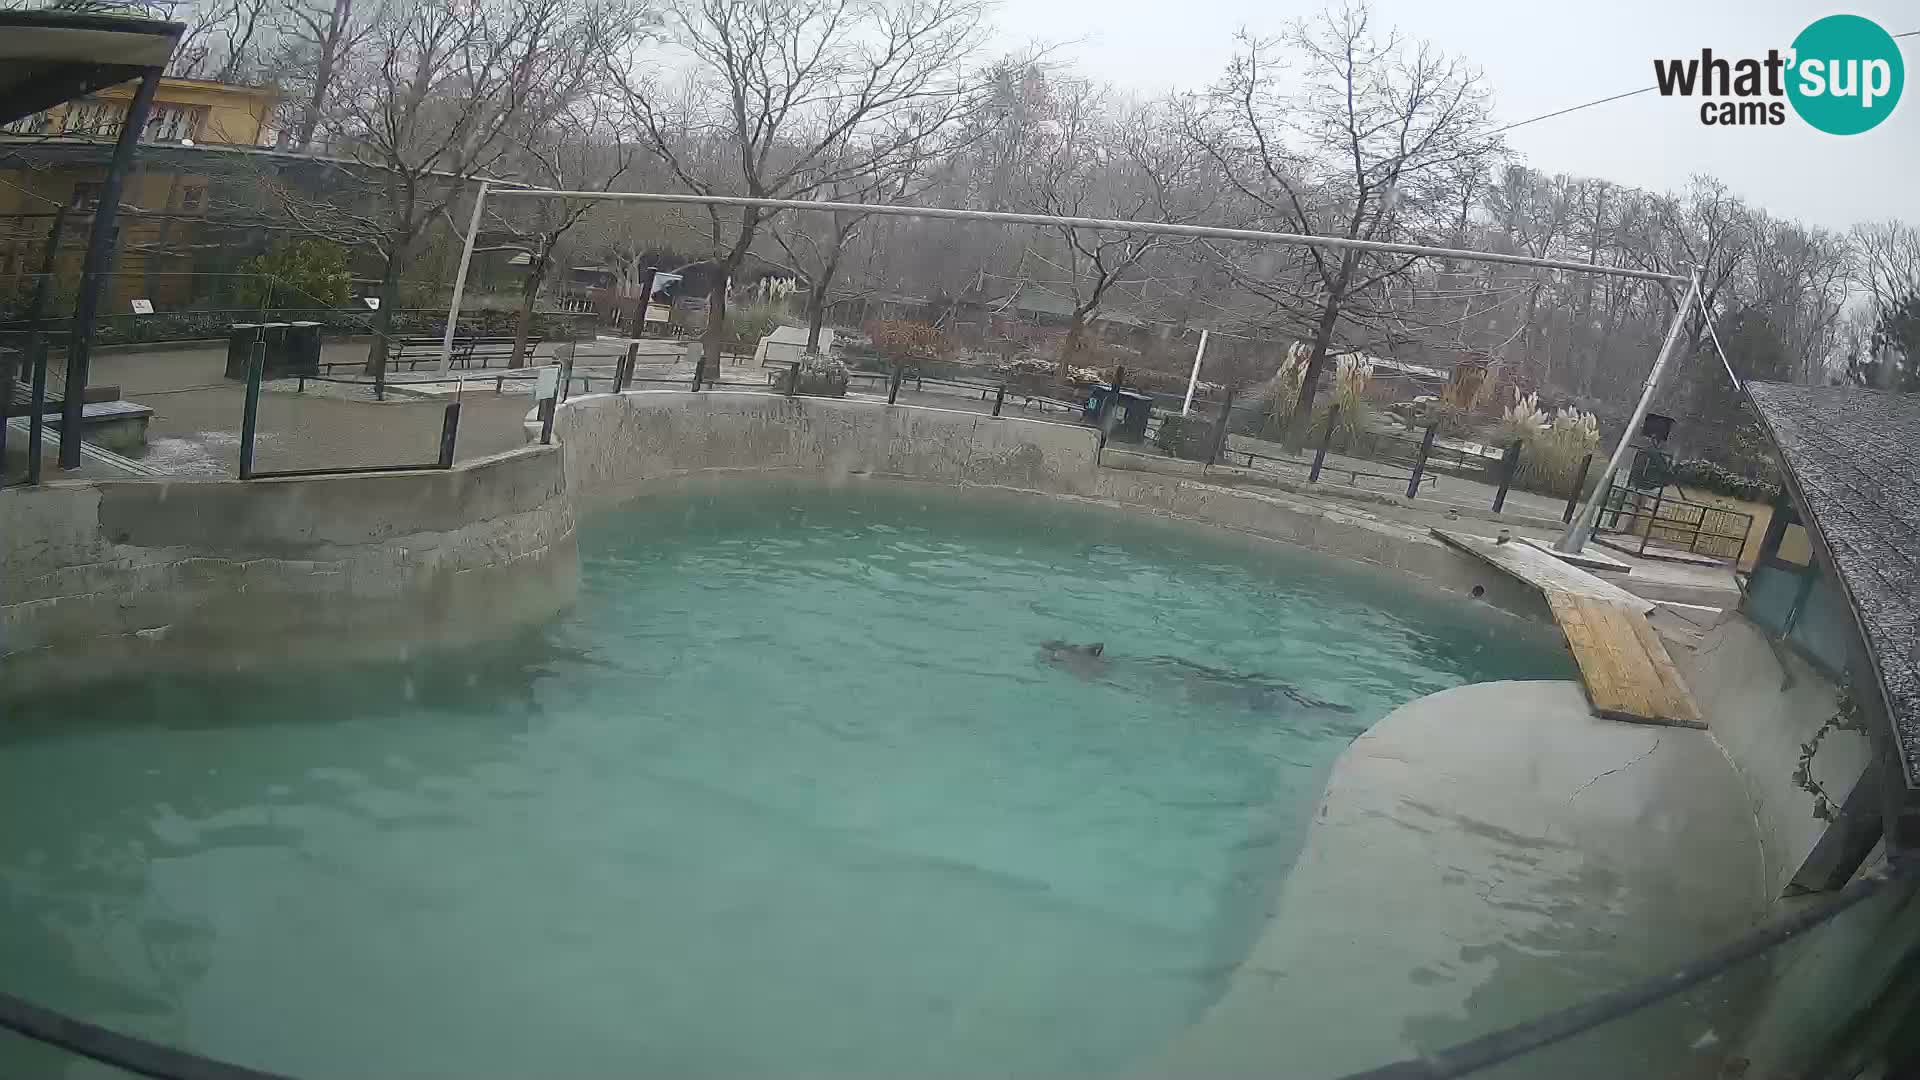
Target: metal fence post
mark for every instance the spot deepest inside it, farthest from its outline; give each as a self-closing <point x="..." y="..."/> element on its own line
<point x="1326" y="440"/>
<point x="1652" y="517"/>
<point x="546" y="421"/>
<point x="893" y="384"/>
<point x="999" y="398"/>
<point x="624" y="373"/>
<point x="7" y="381"/>
<point x="449" y="431"/>
<point x="1579" y="482"/>
<point x="793" y="378"/>
<point x="250" y="416"/>
<point x="566" y="377"/>
<point x="1219" y="441"/>
<point x="37" y="401"/>
<point x="1508" y="467"/>
<point x="1420" y="463"/>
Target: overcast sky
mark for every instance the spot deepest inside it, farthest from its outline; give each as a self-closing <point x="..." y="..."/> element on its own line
<point x="1542" y="55"/>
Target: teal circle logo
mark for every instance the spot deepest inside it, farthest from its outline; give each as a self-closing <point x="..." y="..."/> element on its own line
<point x="1846" y="76"/>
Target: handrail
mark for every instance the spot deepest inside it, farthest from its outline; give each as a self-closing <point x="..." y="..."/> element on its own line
<point x="159" y="1062"/>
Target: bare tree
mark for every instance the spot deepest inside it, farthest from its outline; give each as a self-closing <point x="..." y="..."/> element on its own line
<point x="1374" y="145"/>
<point x="432" y="101"/>
<point x="581" y="148"/>
<point x="316" y="41"/>
<point x="224" y="40"/>
<point x="1094" y="157"/>
<point x="1887" y="261"/>
<point x="786" y="98"/>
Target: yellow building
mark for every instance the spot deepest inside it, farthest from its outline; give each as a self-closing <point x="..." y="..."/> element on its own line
<point x="184" y="111"/>
<point x="60" y="157"/>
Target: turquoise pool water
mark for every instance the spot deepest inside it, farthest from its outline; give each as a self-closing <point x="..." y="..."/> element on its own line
<point x="793" y="791"/>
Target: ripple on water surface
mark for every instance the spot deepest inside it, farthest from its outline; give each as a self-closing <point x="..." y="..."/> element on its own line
<point x="791" y="791"/>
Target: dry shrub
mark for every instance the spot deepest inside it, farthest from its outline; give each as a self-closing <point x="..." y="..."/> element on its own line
<point x="1551" y="446"/>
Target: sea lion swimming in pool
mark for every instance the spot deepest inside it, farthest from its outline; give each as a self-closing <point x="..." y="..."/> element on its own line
<point x="1198" y="682"/>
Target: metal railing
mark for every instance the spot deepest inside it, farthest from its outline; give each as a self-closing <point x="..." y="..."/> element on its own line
<point x="1663" y="521"/>
<point x="1507" y="1044"/>
<point x="250" y="423"/>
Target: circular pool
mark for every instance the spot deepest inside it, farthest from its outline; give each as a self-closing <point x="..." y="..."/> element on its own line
<point x="810" y="782"/>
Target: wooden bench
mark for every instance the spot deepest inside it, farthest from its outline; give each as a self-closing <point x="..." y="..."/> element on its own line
<point x="414" y="351"/>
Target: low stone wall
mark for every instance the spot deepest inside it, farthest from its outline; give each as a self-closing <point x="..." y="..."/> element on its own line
<point x="100" y="578"/>
<point x="617" y="444"/>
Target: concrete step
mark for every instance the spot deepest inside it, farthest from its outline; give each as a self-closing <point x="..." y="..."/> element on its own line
<point x="1692" y="593"/>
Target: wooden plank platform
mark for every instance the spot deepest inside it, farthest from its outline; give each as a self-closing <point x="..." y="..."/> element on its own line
<point x="1624" y="666"/>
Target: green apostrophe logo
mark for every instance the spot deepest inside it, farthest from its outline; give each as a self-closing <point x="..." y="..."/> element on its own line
<point x="1847" y="74"/>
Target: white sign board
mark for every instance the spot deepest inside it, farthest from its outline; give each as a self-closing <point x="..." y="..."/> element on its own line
<point x="548" y="384"/>
<point x="789" y="343"/>
<point x="658" y="312"/>
<point x="143" y="307"/>
<point x="373" y="303"/>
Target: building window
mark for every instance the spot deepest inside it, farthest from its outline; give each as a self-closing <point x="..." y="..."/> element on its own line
<point x="174" y="123"/>
<point x="39" y="123"/>
<point x="193" y="198"/>
<point x="95" y="118"/>
<point x="86" y="195"/>
<point x="1788" y="596"/>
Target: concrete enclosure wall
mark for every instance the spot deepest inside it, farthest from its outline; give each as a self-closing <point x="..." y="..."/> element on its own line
<point x="115" y="577"/>
<point x="616" y="444"/>
<point x="620" y="445"/>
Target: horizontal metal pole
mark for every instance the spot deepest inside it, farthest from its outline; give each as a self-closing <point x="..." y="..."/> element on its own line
<point x="1052" y="221"/>
<point x="349" y="470"/>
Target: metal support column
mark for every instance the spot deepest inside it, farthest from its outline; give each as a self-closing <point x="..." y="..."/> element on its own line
<point x="1581" y="530"/>
<point x="1326" y="439"/>
<point x="1579" y="485"/>
<point x="98" y="265"/>
<point x="460" y="280"/>
<point x="1508" y="466"/>
<point x="1193" y="377"/>
<point x="1420" y="463"/>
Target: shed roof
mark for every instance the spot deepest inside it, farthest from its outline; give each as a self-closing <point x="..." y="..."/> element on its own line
<point x="1852" y="459"/>
<point x="48" y="57"/>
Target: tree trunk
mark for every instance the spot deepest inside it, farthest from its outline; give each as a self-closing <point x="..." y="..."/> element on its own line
<point x="1074" y="343"/>
<point x="716" y="332"/>
<point x="328" y="63"/>
<point x="816" y="314"/>
<point x="383" y="315"/>
<point x="1302" y="420"/>
<point x="524" y="325"/>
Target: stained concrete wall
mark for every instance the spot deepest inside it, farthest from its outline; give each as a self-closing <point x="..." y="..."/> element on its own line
<point x="620" y="445"/>
<point x="1483" y="856"/>
<point x="616" y="444"/>
<point x="1762" y="704"/>
<point x="99" y="578"/>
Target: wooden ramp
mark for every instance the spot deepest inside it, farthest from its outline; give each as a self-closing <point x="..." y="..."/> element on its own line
<point x="1624" y="665"/>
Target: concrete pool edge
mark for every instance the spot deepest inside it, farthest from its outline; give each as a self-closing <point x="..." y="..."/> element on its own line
<point x="1468" y="853"/>
<point x="108" y="578"/>
<point x="624" y="445"/>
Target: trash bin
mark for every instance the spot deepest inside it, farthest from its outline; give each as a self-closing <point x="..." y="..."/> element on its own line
<point x="302" y="354"/>
<point x="1132" y="411"/>
<point x="240" y="339"/>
